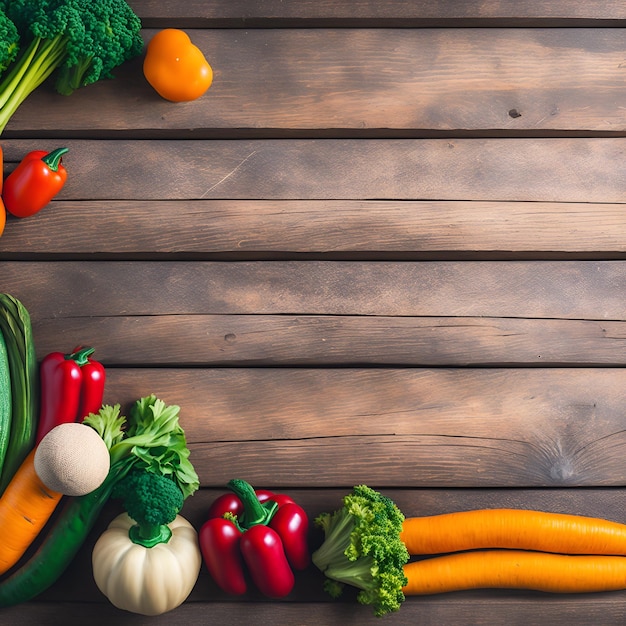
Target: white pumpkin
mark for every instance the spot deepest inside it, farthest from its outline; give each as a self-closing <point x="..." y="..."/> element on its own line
<point x="148" y="581"/>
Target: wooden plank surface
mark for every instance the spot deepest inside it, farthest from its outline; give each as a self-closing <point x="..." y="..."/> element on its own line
<point x="523" y="289"/>
<point x="315" y="340"/>
<point x="402" y="12"/>
<point x="360" y="80"/>
<point x="542" y="170"/>
<point x="442" y="427"/>
<point x="515" y="609"/>
<point x="245" y="229"/>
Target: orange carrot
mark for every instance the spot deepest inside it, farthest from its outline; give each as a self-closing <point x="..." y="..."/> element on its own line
<point x="515" y="569"/>
<point x="25" y="507"/>
<point x="514" y="529"/>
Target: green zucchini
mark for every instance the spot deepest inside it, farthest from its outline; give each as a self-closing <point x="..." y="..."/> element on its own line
<point x="5" y="400"/>
<point x="16" y="329"/>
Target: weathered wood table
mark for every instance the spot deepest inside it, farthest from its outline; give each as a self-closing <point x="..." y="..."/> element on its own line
<point x="387" y="247"/>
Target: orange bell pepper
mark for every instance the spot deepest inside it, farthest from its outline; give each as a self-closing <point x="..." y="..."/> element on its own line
<point x="175" y="67"/>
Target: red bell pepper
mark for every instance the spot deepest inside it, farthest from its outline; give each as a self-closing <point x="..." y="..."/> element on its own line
<point x="260" y="531"/>
<point x="34" y="182"/>
<point x="92" y="392"/>
<point x="72" y="386"/>
<point x="3" y="212"/>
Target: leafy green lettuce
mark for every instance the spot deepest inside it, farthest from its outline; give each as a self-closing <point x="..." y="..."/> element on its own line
<point x="151" y="438"/>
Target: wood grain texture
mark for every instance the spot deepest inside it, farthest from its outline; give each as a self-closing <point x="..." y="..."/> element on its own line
<point x="245" y="228"/>
<point x="416" y="427"/>
<point x="592" y="290"/>
<point x="542" y="170"/>
<point x="509" y="80"/>
<point x="246" y="12"/>
<point x="493" y="608"/>
<point x="316" y="341"/>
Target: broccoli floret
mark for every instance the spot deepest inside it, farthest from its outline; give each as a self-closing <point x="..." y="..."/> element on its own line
<point x="362" y="548"/>
<point x="81" y="40"/>
<point x="109" y="37"/>
<point x="9" y="40"/>
<point x="153" y="501"/>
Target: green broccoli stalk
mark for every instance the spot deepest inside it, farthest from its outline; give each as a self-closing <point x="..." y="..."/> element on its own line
<point x="83" y="39"/>
<point x="152" y="501"/>
<point x="362" y="548"/>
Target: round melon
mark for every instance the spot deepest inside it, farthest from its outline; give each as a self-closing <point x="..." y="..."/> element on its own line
<point x="72" y="459"/>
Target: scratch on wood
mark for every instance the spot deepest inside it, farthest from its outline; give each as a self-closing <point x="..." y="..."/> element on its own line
<point x="219" y="182"/>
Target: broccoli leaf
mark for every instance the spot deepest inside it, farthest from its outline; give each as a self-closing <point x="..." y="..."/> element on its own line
<point x="155" y="437"/>
<point x="151" y="439"/>
<point x="108" y="423"/>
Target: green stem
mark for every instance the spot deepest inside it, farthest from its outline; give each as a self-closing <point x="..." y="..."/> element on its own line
<point x="53" y="160"/>
<point x="148" y="535"/>
<point x="71" y="78"/>
<point x="18" y="69"/>
<point x="254" y="511"/>
<point x="80" y="356"/>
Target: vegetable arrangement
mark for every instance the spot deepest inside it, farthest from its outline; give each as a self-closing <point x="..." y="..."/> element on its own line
<point x="82" y="453"/>
<point x="76" y="42"/>
<point x="160" y="553"/>
<point x="368" y="543"/>
<point x="144" y="460"/>
<point x="151" y="437"/>
<point x="71" y="459"/>
<point x="544" y="551"/>
<point x="265" y="531"/>
<point x="66" y="40"/>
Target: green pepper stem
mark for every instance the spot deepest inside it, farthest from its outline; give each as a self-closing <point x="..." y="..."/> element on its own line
<point x="149" y="536"/>
<point x="80" y="356"/>
<point x="53" y="159"/>
<point x="254" y="511"/>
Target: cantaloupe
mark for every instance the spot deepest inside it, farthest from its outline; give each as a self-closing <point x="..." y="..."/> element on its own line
<point x="72" y="459"/>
